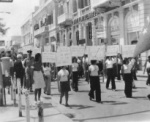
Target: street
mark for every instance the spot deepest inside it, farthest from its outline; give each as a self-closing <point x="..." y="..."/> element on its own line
<point x="115" y="106"/>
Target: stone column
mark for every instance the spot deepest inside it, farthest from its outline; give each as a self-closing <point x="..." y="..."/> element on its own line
<point x="122" y="23"/>
<point x="93" y="33"/>
<point x="66" y="37"/>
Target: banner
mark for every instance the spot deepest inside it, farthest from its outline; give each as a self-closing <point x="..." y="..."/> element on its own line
<point x="101" y="53"/>
<point x="63" y="57"/>
<point x="128" y="50"/>
<point x="77" y="51"/>
<point x="48" y="57"/>
<point x="112" y="50"/>
<point x="87" y="49"/>
<point x="93" y="50"/>
<point x="26" y="48"/>
<point x="47" y="48"/>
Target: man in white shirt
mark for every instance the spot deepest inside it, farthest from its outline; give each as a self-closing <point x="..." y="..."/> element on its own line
<point x="110" y="73"/>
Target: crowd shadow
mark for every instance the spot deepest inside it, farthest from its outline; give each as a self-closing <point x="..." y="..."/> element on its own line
<point x="140" y="97"/>
<point x="113" y="116"/>
<point x="113" y="103"/>
<point x="141" y="87"/>
<point x="73" y="106"/>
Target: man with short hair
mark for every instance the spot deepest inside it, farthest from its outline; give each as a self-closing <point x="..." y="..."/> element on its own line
<point x="28" y="64"/>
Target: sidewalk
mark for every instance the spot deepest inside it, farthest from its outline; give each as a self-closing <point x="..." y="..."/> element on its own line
<point x="140" y="74"/>
<point x="51" y="114"/>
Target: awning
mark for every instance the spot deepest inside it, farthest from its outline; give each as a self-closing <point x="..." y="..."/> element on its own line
<point x="144" y="40"/>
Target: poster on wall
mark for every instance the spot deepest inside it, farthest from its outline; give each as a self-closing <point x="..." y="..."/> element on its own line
<point x="77" y="50"/>
<point x="112" y="50"/>
<point x="63" y="56"/>
<point x="47" y="48"/>
<point x="48" y="57"/>
<point x="128" y="50"/>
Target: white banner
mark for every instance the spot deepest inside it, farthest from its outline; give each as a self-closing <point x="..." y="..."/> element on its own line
<point x="48" y="57"/>
<point x="87" y="49"/>
<point x="47" y="48"/>
<point x="93" y="52"/>
<point x="26" y="48"/>
<point x="101" y="53"/>
<point x="112" y="50"/>
<point x="128" y="50"/>
<point x="77" y="50"/>
<point x="63" y="57"/>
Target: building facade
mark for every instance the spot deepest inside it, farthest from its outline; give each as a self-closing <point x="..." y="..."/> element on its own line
<point x="27" y="31"/>
<point x="45" y="24"/>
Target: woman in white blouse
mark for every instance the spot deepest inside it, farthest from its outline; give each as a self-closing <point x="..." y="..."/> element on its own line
<point x="94" y="81"/>
<point x="127" y="77"/>
<point x="63" y="84"/>
<point x="75" y="67"/>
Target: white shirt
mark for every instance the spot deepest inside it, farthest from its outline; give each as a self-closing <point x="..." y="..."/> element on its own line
<point x="109" y="64"/>
<point x="127" y="68"/>
<point x="119" y="61"/>
<point x="94" y="70"/>
<point x="147" y="65"/>
<point x="47" y="71"/>
<point x="75" y="67"/>
<point x="63" y="75"/>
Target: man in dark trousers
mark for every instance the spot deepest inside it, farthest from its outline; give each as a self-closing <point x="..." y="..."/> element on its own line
<point x="28" y="64"/>
<point x="19" y="70"/>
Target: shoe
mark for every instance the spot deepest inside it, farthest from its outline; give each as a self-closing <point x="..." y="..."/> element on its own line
<point x="66" y="105"/>
<point x="148" y="96"/>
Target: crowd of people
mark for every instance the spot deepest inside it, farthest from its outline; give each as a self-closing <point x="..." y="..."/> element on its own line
<point x="35" y="76"/>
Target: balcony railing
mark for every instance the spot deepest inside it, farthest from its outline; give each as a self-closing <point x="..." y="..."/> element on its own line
<point x="65" y="19"/>
<point x="42" y="30"/>
<point x="85" y="10"/>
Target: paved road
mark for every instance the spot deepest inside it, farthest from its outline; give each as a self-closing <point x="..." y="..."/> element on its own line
<point x="115" y="107"/>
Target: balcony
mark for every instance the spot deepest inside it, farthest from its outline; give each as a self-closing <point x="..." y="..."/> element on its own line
<point x="65" y="19"/>
<point x="85" y="10"/>
<point x="41" y="31"/>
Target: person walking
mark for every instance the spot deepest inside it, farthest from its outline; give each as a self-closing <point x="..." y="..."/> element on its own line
<point x="110" y="74"/>
<point x="19" y="70"/>
<point x="38" y="77"/>
<point x="47" y="77"/>
<point x="63" y="84"/>
<point x="28" y="64"/>
<point x="94" y="81"/>
<point x="74" y="70"/>
<point x="147" y="67"/>
<point x="119" y="65"/>
<point x="127" y="77"/>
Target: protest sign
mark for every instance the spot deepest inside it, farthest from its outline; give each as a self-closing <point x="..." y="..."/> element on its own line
<point x="101" y="52"/>
<point x="77" y="50"/>
<point x="112" y="50"/>
<point x="26" y="48"/>
<point x="93" y="50"/>
<point x="86" y="51"/>
<point x="128" y="50"/>
<point x="48" y="57"/>
<point x="63" y="57"/>
<point x="47" y="48"/>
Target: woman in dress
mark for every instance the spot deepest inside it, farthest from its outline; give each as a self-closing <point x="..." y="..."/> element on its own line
<point x="74" y="69"/>
<point x="94" y="81"/>
<point x="127" y="77"/>
<point x="38" y="78"/>
<point x="63" y="84"/>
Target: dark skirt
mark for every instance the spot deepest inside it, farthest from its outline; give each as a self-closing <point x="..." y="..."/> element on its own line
<point x="64" y="86"/>
<point x="7" y="82"/>
<point x="128" y="84"/>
